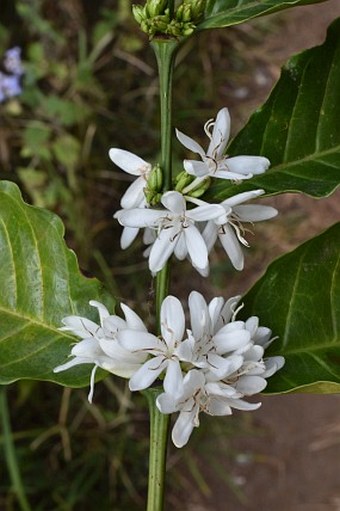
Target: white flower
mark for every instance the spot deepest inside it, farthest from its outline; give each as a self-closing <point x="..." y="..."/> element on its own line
<point x="214" y="163"/>
<point x="229" y="229"/>
<point x="163" y="350"/>
<point x="209" y="342"/>
<point x="175" y="227"/>
<point x="198" y="394"/>
<point x="99" y="345"/>
<point x="136" y="166"/>
<point x="227" y="355"/>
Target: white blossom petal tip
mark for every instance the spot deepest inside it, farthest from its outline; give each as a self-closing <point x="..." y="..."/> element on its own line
<point x="215" y="163"/>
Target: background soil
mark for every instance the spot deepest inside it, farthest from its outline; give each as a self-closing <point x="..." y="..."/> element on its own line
<point x="289" y="460"/>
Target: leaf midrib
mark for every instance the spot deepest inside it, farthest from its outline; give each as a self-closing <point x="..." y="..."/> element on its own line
<point x="239" y="9"/>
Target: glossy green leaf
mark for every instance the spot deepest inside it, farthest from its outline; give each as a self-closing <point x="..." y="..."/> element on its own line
<point x="224" y="13"/>
<point x="298" y="128"/>
<point x="40" y="283"/>
<point x="299" y="299"/>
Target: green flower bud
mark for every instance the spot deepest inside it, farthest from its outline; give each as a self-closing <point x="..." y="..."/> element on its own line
<point x="197" y="9"/>
<point x="182" y="180"/>
<point x="155" y="180"/>
<point x="155" y="7"/>
<point x="153" y="198"/>
<point x="138" y="13"/>
<point x="201" y="188"/>
<point x="183" y="13"/>
<point x="188" y="29"/>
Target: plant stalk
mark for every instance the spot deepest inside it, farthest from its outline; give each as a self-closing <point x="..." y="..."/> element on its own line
<point x="10" y="455"/>
<point x="165" y="51"/>
<point x="159" y="432"/>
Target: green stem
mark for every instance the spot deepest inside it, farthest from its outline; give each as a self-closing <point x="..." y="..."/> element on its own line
<point x="159" y="431"/>
<point x="165" y="51"/>
<point x="11" y="460"/>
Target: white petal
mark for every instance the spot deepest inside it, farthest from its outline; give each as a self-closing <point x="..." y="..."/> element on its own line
<point x="263" y="336"/>
<point x="102" y="310"/>
<point x="232" y="247"/>
<point x="129" y="162"/>
<point x="223" y="367"/>
<point x="183" y="427"/>
<point x="82" y="327"/>
<point x="239" y="404"/>
<point x="252" y="324"/>
<point x="209" y="234"/>
<point x="71" y="363"/>
<point x="254" y="354"/>
<point x="215" y="309"/>
<point x="120" y="355"/>
<point x="197" y="248"/>
<point x="226" y="342"/>
<point x="129" y="235"/>
<point x="248" y="164"/>
<point x="239" y="198"/>
<point x="147" y="374"/>
<point x="173" y="381"/>
<point x="206" y="212"/>
<point x="196" y="168"/>
<point x="192" y="381"/>
<point x="273" y="364"/>
<point x="228" y="310"/>
<point x="134" y="196"/>
<point x="217" y="406"/>
<point x="185" y="350"/>
<point x="87" y="348"/>
<point x="133" y="321"/>
<point x="139" y="217"/>
<point x="134" y="340"/>
<point x="172" y="321"/>
<point x="181" y="250"/>
<point x="222" y="172"/>
<point x="199" y="315"/>
<point x="255" y="213"/>
<point x="166" y="403"/>
<point x="174" y="201"/>
<point x="189" y="143"/>
<point x="250" y="385"/>
<point x="220" y="134"/>
<point x="162" y="248"/>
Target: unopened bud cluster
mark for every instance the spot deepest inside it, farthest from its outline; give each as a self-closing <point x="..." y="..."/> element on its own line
<point x="155" y="17"/>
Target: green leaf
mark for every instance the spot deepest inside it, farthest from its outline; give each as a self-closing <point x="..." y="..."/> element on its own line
<point x="40" y="283"/>
<point x="298" y="128"/>
<point x="299" y="299"/>
<point x="224" y="13"/>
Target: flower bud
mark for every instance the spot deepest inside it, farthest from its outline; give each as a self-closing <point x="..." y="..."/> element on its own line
<point x="153" y="198"/>
<point x="182" y="180"/>
<point x="155" y="180"/>
<point x="197" y="9"/>
<point x="183" y="13"/>
<point x="201" y="188"/>
<point x="155" y="7"/>
<point x="138" y="13"/>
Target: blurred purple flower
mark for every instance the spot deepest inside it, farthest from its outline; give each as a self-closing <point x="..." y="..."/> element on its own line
<point x="10" y="81"/>
<point x="12" y="61"/>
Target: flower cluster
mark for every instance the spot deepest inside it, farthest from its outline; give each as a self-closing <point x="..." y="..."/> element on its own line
<point x="210" y="367"/>
<point x="216" y="361"/>
<point x="10" y="80"/>
<point x="182" y="224"/>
